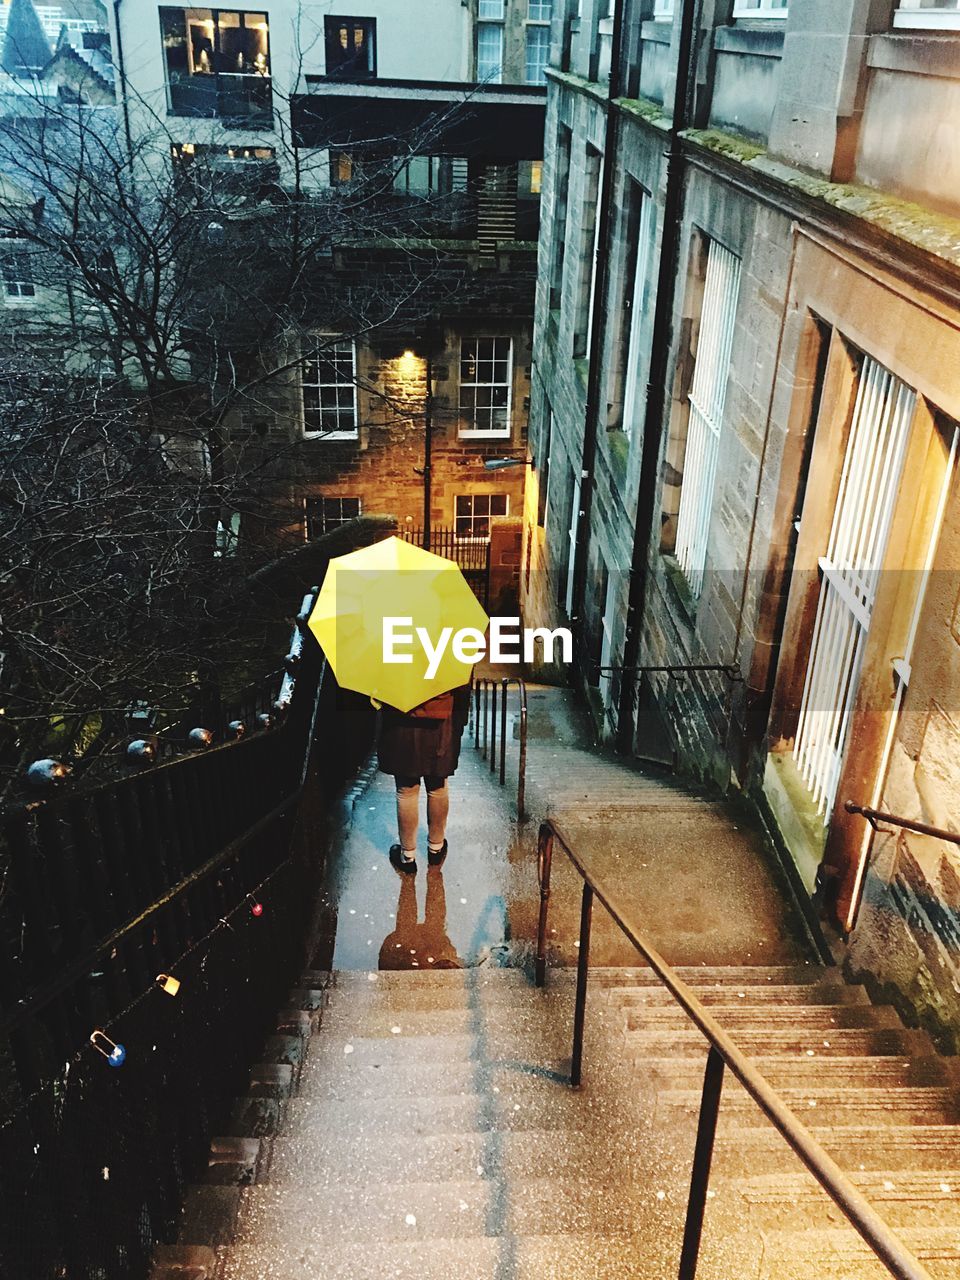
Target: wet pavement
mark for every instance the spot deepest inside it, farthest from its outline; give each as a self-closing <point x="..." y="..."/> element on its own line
<point x="682" y="869"/>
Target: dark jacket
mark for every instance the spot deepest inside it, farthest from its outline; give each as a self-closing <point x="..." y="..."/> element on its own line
<point x="411" y="746"/>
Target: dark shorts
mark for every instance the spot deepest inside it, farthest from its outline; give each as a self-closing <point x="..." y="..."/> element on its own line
<point x="431" y="782"/>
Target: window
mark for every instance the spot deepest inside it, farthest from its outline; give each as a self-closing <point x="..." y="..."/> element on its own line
<point x="543" y="490"/>
<point x="17" y="270"/>
<point x="559" y="229"/>
<point x="329" y="385"/>
<point x="589" y="230"/>
<point x="474" y="512"/>
<point x="850" y="576"/>
<point x="540" y="10"/>
<point x="721" y="287"/>
<point x="431" y="175"/>
<point x="489" y="52"/>
<point x="928" y="13"/>
<point x="662" y="10"/>
<point x="322" y="515"/>
<point x="486" y="375"/>
<point x="228" y="536"/>
<point x="538" y="54"/>
<point x="570" y="574"/>
<point x="760" y="9"/>
<point x="351" y="52"/>
<point x="634" y="397"/>
<point x="490" y="9"/>
<point x="217" y="63"/>
<point x="341" y="168"/>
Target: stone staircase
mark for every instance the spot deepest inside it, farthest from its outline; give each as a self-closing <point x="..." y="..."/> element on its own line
<point x="424" y="1129"/>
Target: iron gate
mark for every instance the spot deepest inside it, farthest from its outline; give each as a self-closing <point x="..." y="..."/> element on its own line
<point x="471" y="554"/>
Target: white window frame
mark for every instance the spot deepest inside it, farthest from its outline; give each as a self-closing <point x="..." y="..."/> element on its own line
<point x="631" y="399"/>
<point x="19" y="288"/>
<point x="572" y="540"/>
<point x="707" y="397"/>
<point x="663" y="10"/>
<point x="767" y="9"/>
<point x="486" y="433"/>
<point x="472" y="498"/>
<point x="323" y="498"/>
<point x="494" y="72"/>
<point x="490" y="10"/>
<point x="326" y="351"/>
<point x="912" y="13"/>
<point x="606" y="638"/>
<point x="850" y="571"/>
<point x="542" y="46"/>
<point x="539" y="10"/>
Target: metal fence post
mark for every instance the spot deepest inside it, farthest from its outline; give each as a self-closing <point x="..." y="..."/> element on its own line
<point x="702" y="1157"/>
<point x="583" y="962"/>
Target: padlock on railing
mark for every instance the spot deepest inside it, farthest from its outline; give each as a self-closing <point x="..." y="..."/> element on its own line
<point x="168" y="984"/>
<point x="115" y="1054"/>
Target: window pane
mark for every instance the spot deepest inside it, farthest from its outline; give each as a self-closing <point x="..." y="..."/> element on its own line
<point x="538" y="54"/>
<point x="490" y="9"/>
<point x="540" y="10"/>
<point x="489" y="52"/>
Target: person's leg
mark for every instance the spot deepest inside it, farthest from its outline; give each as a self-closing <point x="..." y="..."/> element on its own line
<point x="408" y="814"/>
<point x="438" y="806"/>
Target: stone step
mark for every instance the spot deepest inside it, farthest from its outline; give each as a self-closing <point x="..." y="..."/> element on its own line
<point x="472" y="1112"/>
<point x="840" y="1254"/>
<point x="731" y="995"/>
<point x="563" y="1257"/>
<point x="840" y="1042"/>
<point x="801" y="1070"/>
<point x="340" y="1080"/>
<point x="806" y="1018"/>
<point x="525" y="1018"/>
<point x="796" y="1201"/>
<point x="527" y="1048"/>
<point x="715" y="976"/>
<point x="306" y="1215"/>
<point x="887" y="1106"/>
<point x="746" y="1150"/>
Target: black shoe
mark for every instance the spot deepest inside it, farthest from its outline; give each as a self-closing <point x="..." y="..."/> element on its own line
<point x="437" y="859"/>
<point x="398" y="861"/>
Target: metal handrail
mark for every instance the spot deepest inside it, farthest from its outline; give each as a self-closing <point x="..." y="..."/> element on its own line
<point x="723" y="1053"/>
<point x="876" y="816"/>
<point x="485" y="730"/>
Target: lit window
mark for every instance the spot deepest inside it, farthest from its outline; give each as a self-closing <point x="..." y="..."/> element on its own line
<point x="540" y="10"/>
<point x="341" y="168"/>
<point x="17" y="273"/>
<point x="529" y="177"/>
<point x="431" y="175"/>
<point x="329" y="384"/>
<point x="489" y="52"/>
<point x="928" y="13"/>
<point x="217" y="62"/>
<point x="538" y="54"/>
<point x="760" y="9"/>
<point x="351" y="48"/>
<point x="708" y="392"/>
<point x="323" y="515"/>
<point x="474" y="512"/>
<point x="486" y="366"/>
<point x="490" y="9"/>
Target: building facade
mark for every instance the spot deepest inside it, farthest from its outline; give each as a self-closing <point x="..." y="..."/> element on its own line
<point x="745" y="402"/>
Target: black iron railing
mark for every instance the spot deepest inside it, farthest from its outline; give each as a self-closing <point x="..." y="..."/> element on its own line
<point x="723" y="1054"/>
<point x="194" y="870"/>
<point x="877" y="816"/>
<point x="485" y="697"/>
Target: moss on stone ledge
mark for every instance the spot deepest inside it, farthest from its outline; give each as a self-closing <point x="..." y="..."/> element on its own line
<point x="645" y="109"/>
<point x="935" y="233"/>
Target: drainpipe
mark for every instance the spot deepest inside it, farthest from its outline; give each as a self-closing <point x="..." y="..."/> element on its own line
<point x="659" y="368"/>
<point x="428" y="454"/>
<point x="594" y="401"/>
<point x="123" y="78"/>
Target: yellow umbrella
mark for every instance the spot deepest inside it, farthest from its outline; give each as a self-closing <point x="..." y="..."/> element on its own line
<point x="395" y="580"/>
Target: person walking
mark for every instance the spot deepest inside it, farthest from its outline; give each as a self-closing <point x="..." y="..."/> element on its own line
<point x="423" y="744"/>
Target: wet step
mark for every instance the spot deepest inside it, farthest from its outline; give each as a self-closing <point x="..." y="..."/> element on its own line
<point x="462" y="1113"/>
<point x="700" y="976"/>
<point x="572" y="1257"/>
<point x="410" y="1076"/>
<point x="529" y="1153"/>
<point x="528" y="1049"/>
<point x="442" y="1209"/>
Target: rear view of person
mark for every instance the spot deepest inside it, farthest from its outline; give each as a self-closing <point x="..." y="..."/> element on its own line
<point x="423" y="744"/>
